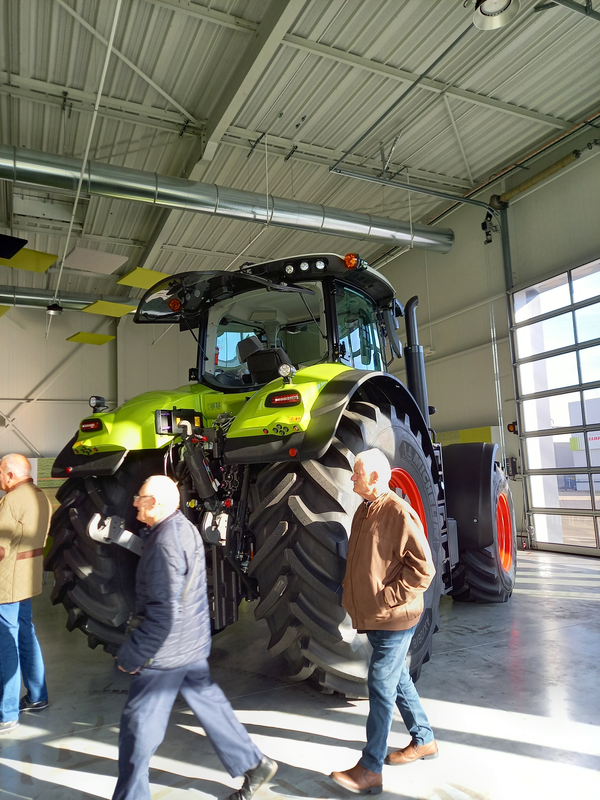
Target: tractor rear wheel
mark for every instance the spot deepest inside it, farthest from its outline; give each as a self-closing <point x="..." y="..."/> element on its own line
<point x="488" y="555"/>
<point x="302" y="527"/>
<point x="96" y="582"/>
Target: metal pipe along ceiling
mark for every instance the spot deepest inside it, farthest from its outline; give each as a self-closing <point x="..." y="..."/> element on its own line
<point x="39" y="298"/>
<point x="58" y="172"/>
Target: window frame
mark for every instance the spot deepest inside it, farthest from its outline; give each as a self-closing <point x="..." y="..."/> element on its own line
<point x="589" y="472"/>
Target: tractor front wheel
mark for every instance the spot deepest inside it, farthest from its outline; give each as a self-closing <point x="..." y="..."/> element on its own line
<point x="302" y="527"/>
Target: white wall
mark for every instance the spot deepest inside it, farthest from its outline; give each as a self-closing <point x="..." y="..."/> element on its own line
<point x="152" y="357"/>
<point x="45" y="384"/>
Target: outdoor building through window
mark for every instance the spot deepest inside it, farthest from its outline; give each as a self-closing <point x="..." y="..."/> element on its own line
<point x="556" y="339"/>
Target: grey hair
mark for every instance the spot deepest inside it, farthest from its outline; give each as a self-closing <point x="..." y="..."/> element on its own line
<point x="164" y="491"/>
<point x="374" y="460"/>
<point x="17" y="464"/>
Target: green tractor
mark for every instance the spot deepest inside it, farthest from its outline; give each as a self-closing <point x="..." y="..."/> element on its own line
<point x="291" y="383"/>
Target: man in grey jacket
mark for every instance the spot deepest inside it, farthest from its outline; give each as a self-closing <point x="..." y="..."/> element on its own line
<point x="167" y="652"/>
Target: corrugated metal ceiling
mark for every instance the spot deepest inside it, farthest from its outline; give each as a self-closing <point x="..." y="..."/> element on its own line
<point x="310" y="89"/>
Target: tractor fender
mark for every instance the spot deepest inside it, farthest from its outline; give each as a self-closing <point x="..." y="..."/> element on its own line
<point x="468" y="478"/>
<point x="71" y="465"/>
<point x="376" y="387"/>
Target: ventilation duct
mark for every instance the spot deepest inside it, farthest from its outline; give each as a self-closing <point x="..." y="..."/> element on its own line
<point x="57" y="172"/>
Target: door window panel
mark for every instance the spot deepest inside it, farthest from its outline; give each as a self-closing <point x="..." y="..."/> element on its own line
<point x="548" y="373"/>
<point x="591" y="401"/>
<point x="593" y="438"/>
<point x="558" y="411"/>
<point x="542" y="298"/>
<point x="360" y="343"/>
<point x="553" y="452"/>
<point x="590" y="364"/>
<point x="587" y="321"/>
<point x="560" y="491"/>
<point x="549" y="334"/>
<point x="563" y="529"/>
<point x="586" y="281"/>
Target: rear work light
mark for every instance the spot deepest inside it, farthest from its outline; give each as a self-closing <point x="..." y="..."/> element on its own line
<point x="283" y="399"/>
<point x="90" y="425"/>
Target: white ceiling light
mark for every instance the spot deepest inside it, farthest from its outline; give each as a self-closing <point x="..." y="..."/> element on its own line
<point x="492" y="14"/>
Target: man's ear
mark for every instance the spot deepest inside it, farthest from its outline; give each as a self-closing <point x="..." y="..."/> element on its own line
<point x="374" y="477"/>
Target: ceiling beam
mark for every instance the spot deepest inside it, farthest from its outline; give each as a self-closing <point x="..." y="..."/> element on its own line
<point x="279" y="17"/>
<point x="429" y="84"/>
<point x="267" y="39"/>
<point x="458" y="139"/>
<point x="55" y="228"/>
<point x="125" y="60"/>
<point x="325" y="156"/>
<point x="207" y="14"/>
<point x="403" y="75"/>
<point x="586" y="9"/>
<point x="83" y="102"/>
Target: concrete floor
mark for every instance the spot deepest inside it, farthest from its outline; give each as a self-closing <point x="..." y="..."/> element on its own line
<point x="512" y="693"/>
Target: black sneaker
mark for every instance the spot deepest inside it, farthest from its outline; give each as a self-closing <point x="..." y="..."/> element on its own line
<point x="254" y="779"/>
<point x="27" y="705"/>
<point x="5" y="727"/>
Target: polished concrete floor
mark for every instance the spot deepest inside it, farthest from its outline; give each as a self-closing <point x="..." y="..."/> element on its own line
<point x="513" y="694"/>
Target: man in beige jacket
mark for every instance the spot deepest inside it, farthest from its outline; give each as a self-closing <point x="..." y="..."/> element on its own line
<point x="388" y="570"/>
<point x="24" y="521"/>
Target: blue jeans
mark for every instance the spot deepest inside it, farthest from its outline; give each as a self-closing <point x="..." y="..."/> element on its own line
<point x="146" y="715"/>
<point x="20" y="654"/>
<point x="390" y="683"/>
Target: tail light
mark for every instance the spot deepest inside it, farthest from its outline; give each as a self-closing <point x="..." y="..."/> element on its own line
<point x="277" y="399"/>
<point x="90" y="425"/>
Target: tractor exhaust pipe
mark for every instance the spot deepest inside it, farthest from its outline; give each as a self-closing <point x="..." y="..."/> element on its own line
<point x="415" y="359"/>
<point x="44" y="169"/>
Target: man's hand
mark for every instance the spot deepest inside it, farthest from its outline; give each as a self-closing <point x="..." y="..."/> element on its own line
<point x="129" y="673"/>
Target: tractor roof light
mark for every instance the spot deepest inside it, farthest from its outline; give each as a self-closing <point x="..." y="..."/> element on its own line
<point x="354" y="261"/>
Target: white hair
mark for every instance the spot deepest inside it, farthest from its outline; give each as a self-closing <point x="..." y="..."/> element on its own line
<point x="164" y="491"/>
<point x="17" y="464"/>
<point x="374" y="460"/>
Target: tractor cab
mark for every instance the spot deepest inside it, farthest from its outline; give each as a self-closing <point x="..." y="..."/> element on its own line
<point x="276" y="318"/>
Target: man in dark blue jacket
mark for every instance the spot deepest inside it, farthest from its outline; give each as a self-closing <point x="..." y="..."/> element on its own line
<point x="167" y="652"/>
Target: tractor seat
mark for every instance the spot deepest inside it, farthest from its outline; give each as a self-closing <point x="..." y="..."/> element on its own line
<point x="264" y="364"/>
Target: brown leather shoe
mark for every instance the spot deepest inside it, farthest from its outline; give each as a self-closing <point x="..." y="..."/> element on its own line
<point x="359" y="780"/>
<point x="413" y="752"/>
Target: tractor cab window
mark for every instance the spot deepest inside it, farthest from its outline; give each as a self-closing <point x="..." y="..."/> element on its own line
<point x="358" y="331"/>
<point x="249" y="335"/>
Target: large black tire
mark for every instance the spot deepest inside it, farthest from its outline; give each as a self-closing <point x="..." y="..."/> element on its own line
<point x="302" y="527"/>
<point x="485" y="573"/>
<point x="96" y="582"/>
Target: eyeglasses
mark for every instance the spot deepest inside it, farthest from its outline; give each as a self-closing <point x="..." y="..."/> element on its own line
<point x="137" y="497"/>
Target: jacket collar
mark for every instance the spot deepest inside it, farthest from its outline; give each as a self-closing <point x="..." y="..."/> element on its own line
<point x="20" y="483"/>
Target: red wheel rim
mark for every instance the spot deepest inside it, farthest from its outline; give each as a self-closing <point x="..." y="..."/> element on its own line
<point x="504" y="531"/>
<point x="402" y="480"/>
